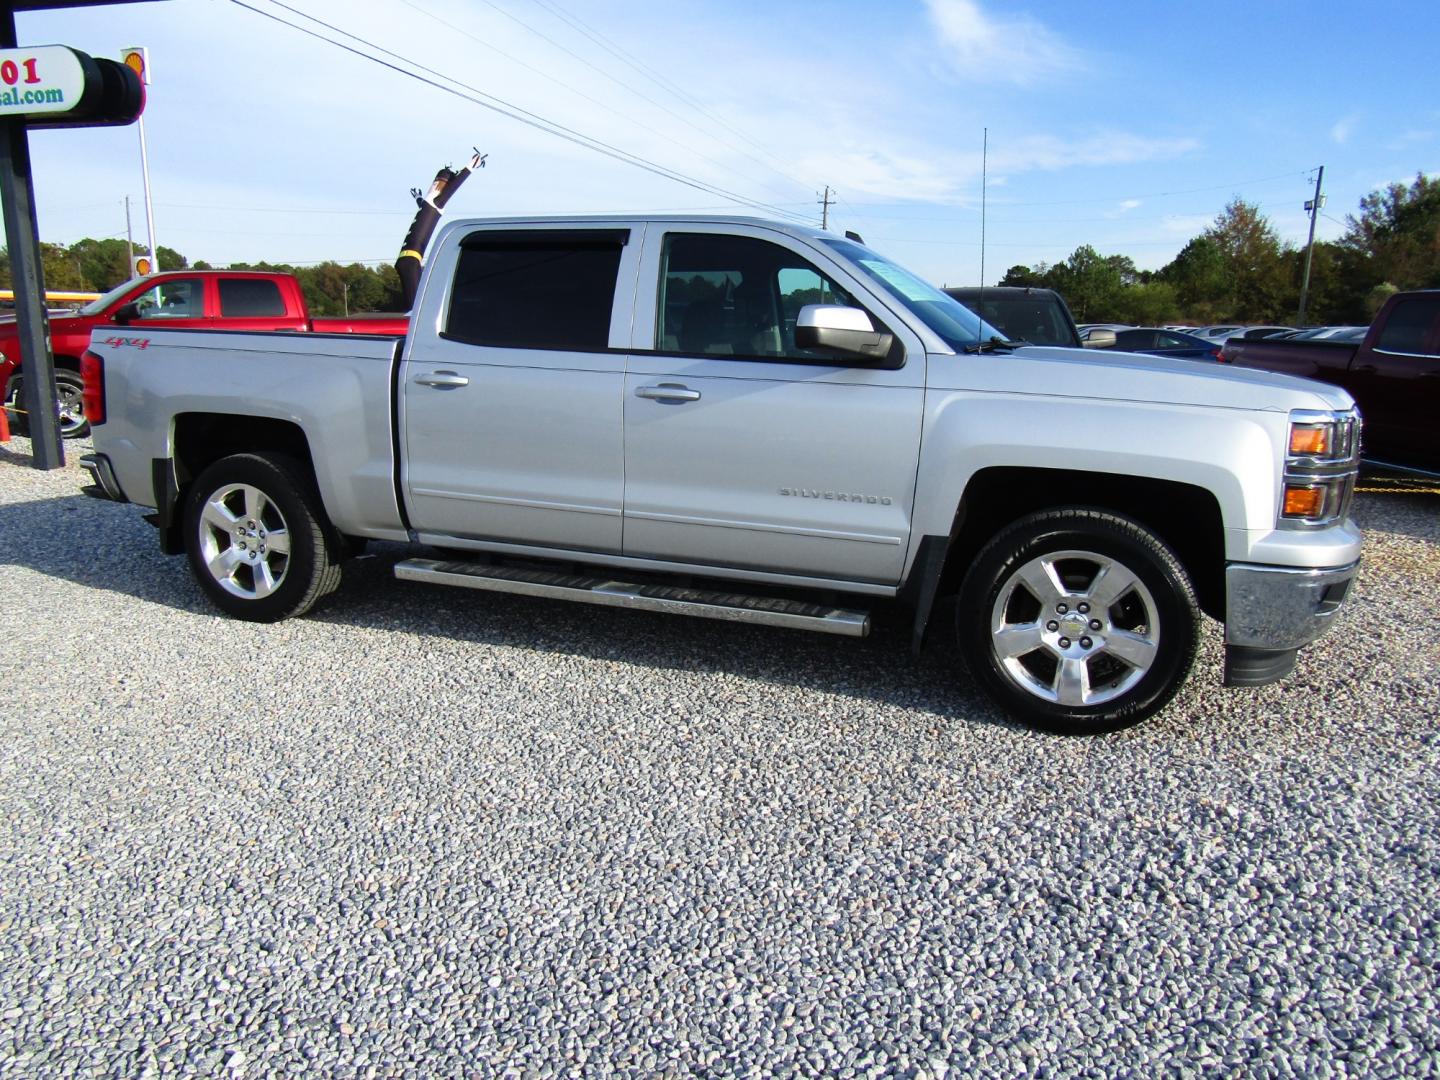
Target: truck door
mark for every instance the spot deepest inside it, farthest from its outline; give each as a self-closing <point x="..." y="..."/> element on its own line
<point x="743" y="450"/>
<point x="511" y="392"/>
<point x="1397" y="384"/>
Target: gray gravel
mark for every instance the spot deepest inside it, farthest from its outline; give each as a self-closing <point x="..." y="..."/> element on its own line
<point x="426" y="832"/>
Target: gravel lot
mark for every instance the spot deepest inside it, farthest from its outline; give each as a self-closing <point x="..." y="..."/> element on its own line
<point x="429" y="832"/>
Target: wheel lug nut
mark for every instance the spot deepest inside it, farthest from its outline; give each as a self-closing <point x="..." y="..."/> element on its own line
<point x="1085" y="643"/>
<point x="1084" y="609"/>
<point x="1064" y="643"/>
<point x="252" y="554"/>
<point x="1052" y="626"/>
<point x="1061" y="608"/>
<point x="1094" y="624"/>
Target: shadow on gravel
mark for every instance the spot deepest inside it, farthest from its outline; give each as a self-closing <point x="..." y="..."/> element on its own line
<point x="107" y="546"/>
<point x="99" y="544"/>
<point x="10" y="457"/>
<point x="1402" y="505"/>
<point x="879" y="668"/>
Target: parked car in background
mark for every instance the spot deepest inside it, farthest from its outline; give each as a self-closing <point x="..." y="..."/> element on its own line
<point x="1038" y="316"/>
<point x="190" y="299"/>
<point x="1259" y="333"/>
<point x="1394" y="376"/>
<point x="1159" y="342"/>
<point x="1097" y="335"/>
<point x="1326" y="333"/>
<point x="1218" y="332"/>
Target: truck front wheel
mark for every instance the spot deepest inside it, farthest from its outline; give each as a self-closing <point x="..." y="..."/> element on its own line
<point x="1077" y="620"/>
<point x="257" y="538"/>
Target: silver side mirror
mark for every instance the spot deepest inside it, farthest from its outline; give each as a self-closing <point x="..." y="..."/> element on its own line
<point x="1099" y="339"/>
<point x="847" y="332"/>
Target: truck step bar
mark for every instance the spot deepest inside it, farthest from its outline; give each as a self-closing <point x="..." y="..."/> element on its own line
<point x="600" y="589"/>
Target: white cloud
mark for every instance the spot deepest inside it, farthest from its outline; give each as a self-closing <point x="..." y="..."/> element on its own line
<point x="1122" y="208"/>
<point x="1344" y="128"/>
<point x="1407" y="139"/>
<point x="1011" y="48"/>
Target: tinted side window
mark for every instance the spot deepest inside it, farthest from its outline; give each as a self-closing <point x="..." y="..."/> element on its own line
<point x="1413" y="327"/>
<point x="250" y="298"/>
<point x="535" y="292"/>
<point x="1135" y="339"/>
<point x="736" y="296"/>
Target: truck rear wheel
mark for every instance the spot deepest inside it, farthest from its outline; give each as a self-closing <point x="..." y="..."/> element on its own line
<point x="257" y="537"/>
<point x="1079" y="621"/>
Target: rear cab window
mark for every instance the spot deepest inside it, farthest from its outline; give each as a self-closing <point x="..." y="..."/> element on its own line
<point x="1413" y="328"/>
<point x="250" y="298"/>
<point x="536" y="289"/>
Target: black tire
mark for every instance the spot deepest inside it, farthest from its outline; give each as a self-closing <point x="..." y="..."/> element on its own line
<point x="233" y="513"/>
<point x="69" y="395"/>
<point x="1050" y="656"/>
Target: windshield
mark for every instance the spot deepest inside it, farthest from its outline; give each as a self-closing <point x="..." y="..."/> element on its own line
<point x="95" y="307"/>
<point x="952" y="321"/>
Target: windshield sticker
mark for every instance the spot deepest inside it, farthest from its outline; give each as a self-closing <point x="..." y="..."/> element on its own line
<point x="905" y="283"/>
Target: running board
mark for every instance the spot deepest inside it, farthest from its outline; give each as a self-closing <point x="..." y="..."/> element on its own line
<point x="675" y="600"/>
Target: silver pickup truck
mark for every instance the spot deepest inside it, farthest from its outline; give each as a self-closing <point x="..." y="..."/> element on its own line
<point x="745" y="420"/>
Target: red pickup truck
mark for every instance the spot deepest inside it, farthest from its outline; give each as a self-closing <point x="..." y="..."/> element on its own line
<point x="195" y="299"/>
<point x="1394" y="376"/>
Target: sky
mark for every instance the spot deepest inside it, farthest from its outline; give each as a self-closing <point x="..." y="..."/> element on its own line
<point x="1127" y="125"/>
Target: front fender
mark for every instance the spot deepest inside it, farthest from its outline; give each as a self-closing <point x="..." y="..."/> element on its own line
<point x="1232" y="454"/>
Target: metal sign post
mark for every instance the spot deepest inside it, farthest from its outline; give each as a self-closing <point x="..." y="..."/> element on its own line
<point x="46" y="86"/>
<point x="22" y="234"/>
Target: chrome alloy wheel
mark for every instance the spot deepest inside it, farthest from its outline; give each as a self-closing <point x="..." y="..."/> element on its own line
<point x="1074" y="627"/>
<point x="71" y="401"/>
<point x="244" y="541"/>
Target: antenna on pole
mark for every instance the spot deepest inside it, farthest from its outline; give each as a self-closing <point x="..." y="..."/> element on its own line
<point x="1313" y="205"/>
<point x="825" y="202"/>
<point x="984" y="169"/>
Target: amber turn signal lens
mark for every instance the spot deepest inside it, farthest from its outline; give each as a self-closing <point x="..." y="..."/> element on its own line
<point x="1304" y="502"/>
<point x="1310" y="441"/>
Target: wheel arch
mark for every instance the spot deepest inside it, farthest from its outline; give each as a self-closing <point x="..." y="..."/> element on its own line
<point x="1186" y="517"/>
<point x="198" y="440"/>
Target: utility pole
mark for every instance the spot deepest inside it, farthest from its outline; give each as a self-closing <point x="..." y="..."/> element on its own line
<point x="137" y="58"/>
<point x="825" y="202"/>
<point x="1313" y="206"/>
<point x="129" y="240"/>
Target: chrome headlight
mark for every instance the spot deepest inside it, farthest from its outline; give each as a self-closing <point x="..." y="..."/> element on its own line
<point x="1322" y="459"/>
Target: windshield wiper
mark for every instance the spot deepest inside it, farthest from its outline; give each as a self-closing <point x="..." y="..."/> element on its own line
<point x="995" y="344"/>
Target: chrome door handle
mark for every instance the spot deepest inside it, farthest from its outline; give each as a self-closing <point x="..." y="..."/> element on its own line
<point x="443" y="380"/>
<point x="672" y="392"/>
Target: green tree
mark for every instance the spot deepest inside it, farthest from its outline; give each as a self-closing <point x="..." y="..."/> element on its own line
<point x="1024" y="277"/>
<point x="1090" y="283"/>
<point x="1201" y="280"/>
<point x="1147" y="303"/>
<point x="1398" y="231"/>
<point x="1256" y="262"/>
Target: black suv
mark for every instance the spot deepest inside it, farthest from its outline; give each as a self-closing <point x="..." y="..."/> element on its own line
<point x="1038" y="316"/>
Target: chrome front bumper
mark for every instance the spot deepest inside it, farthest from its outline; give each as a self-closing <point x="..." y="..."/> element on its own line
<point x="1281" y="608"/>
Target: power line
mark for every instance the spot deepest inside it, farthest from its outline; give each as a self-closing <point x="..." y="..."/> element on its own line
<point x="546" y="75"/>
<point x="512" y="111"/>
<point x="665" y="84"/>
<point x="1106" y="199"/>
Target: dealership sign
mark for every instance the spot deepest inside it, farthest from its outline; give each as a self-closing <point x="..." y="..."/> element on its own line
<point x="56" y="86"/>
